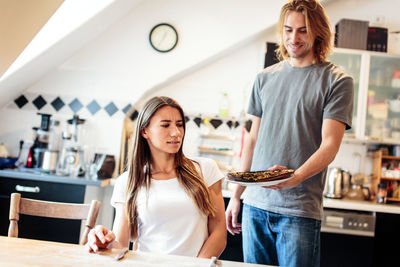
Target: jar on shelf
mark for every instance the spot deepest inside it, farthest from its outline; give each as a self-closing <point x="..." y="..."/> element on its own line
<point x="381" y="195"/>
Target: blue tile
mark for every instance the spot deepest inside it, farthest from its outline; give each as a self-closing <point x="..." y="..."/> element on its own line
<point x="21" y="101"/>
<point x="93" y="107"/>
<point x="75" y="105"/>
<point x="126" y="108"/>
<point x="111" y="108"/>
<point x="39" y="102"/>
<point x="57" y="104"/>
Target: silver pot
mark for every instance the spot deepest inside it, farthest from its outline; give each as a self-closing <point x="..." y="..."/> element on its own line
<point x="337" y="183"/>
<point x="46" y="159"/>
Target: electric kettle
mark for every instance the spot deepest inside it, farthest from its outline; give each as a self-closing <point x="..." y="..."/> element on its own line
<point x="337" y="183"/>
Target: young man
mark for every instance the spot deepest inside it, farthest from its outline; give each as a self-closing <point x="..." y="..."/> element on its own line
<point x="301" y="107"/>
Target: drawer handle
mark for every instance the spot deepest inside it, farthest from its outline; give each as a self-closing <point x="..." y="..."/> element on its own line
<point x="30" y="189"/>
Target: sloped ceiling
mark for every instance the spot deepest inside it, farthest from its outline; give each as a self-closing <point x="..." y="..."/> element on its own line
<point x="20" y="21"/>
<point x="11" y="84"/>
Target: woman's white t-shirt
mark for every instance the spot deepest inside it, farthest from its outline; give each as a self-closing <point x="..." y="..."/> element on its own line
<point x="169" y="221"/>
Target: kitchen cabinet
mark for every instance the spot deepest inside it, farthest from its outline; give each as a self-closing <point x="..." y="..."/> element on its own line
<point x="386" y="241"/>
<point x="376" y="115"/>
<point x="386" y="170"/>
<point x="48" y="188"/>
<point x="351" y="64"/>
<point x="38" y="227"/>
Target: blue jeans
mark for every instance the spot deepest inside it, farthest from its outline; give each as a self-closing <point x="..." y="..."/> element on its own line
<point x="277" y="239"/>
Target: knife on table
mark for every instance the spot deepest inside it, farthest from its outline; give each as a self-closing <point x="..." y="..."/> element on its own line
<point x="213" y="262"/>
<point x="121" y="254"/>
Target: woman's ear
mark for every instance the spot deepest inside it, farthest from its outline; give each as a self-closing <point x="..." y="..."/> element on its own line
<point x="144" y="133"/>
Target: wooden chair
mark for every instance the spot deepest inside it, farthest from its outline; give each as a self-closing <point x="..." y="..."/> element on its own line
<point x="61" y="210"/>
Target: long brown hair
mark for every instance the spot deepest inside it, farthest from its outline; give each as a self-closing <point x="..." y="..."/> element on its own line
<point x="139" y="169"/>
<point x="317" y="24"/>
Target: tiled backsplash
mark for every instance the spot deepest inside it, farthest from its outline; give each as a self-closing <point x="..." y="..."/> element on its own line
<point x="54" y="104"/>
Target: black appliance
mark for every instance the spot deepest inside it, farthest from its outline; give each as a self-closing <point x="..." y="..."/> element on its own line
<point x="347" y="238"/>
<point x="377" y="39"/>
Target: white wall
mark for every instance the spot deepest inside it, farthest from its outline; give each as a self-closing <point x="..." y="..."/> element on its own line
<point x="120" y="66"/>
<point x="221" y="49"/>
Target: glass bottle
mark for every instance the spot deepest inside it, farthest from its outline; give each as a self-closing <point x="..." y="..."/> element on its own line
<point x="381" y="195"/>
<point x="224" y="105"/>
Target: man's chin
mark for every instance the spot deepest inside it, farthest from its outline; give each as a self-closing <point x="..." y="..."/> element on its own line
<point x="297" y="54"/>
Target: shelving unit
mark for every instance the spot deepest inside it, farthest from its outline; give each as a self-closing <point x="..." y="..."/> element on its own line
<point x="220" y="148"/>
<point x="211" y="150"/>
<point x="380" y="160"/>
<point x="219" y="137"/>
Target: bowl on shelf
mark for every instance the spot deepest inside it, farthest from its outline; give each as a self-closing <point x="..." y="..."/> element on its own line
<point x="7" y="162"/>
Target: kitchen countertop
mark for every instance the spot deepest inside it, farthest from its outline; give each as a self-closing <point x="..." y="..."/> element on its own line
<point x="347" y="204"/>
<point x="371" y="206"/>
<point x="38" y="176"/>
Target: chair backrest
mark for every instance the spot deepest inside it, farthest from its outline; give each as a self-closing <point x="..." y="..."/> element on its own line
<point x="62" y="210"/>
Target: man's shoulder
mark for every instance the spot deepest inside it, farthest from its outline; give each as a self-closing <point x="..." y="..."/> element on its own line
<point x="334" y="71"/>
<point x="331" y="67"/>
<point x="273" y="68"/>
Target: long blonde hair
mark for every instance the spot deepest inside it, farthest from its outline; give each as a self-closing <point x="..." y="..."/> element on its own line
<point x="317" y="24"/>
<point x="139" y="169"/>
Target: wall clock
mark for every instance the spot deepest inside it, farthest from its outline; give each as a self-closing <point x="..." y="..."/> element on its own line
<point x="163" y="37"/>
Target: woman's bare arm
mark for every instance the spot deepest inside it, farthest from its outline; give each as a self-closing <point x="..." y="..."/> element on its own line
<point x="216" y="242"/>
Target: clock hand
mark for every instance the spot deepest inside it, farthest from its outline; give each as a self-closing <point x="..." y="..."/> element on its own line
<point x="162" y="38"/>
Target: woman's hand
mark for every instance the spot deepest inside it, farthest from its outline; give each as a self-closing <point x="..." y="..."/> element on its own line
<point x="98" y="238"/>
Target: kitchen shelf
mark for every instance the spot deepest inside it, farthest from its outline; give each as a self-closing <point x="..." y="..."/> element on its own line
<point x="219" y="137"/>
<point x="390" y="157"/>
<point x="393" y="199"/>
<point x="390" y="178"/>
<point x="218" y="151"/>
<point x="370" y="141"/>
<point x="219" y="147"/>
<point x="377" y="159"/>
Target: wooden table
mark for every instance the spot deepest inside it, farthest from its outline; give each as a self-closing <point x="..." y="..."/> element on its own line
<point x="29" y="252"/>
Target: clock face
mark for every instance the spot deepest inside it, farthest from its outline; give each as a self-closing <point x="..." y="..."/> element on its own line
<point x="163" y="37"/>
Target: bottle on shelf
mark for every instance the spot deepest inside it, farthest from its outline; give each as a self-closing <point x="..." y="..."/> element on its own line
<point x="382" y="192"/>
<point x="224" y="105"/>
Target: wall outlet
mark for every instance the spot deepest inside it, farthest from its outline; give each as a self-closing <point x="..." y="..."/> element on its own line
<point x="378" y="21"/>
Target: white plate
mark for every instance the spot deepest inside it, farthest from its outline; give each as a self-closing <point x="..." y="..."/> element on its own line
<point x="268" y="183"/>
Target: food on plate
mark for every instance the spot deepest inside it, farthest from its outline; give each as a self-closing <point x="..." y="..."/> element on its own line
<point x="260" y="176"/>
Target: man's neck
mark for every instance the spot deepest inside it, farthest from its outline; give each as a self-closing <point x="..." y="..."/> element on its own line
<point x="302" y="62"/>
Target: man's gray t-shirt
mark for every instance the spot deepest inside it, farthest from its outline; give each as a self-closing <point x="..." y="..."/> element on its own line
<point x="292" y="102"/>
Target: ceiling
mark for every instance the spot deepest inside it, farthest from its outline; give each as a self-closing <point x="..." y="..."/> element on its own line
<point x="20" y="21"/>
<point x="81" y="22"/>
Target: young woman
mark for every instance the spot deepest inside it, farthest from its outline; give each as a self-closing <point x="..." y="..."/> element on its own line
<point x="165" y="203"/>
